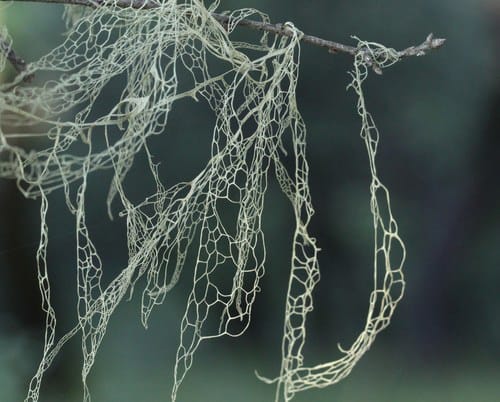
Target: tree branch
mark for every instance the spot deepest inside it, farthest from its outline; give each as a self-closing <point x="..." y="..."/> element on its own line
<point x="278" y="29"/>
<point x="17" y="62"/>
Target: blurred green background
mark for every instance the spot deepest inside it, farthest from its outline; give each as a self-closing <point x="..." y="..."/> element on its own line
<point x="439" y="118"/>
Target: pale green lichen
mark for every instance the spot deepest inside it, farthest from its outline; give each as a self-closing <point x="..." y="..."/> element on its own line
<point x="253" y="100"/>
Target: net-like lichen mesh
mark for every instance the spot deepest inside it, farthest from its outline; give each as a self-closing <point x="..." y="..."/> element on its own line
<point x="389" y="255"/>
<point x="5" y="44"/>
<point x="251" y="91"/>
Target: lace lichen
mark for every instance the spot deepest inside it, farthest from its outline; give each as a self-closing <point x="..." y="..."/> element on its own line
<point x="253" y="101"/>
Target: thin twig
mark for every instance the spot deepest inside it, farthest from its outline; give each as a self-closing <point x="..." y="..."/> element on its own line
<point x="281" y="29"/>
<point x="278" y="29"/>
<point x="420" y="50"/>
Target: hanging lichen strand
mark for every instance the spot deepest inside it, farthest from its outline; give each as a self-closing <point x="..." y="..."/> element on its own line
<point x="253" y="101"/>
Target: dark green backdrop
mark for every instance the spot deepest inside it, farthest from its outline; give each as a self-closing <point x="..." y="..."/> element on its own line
<point x="439" y="121"/>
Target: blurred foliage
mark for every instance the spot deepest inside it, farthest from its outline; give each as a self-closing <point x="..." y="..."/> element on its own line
<point x="439" y="135"/>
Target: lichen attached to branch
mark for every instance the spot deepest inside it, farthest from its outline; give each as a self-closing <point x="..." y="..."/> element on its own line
<point x="150" y="46"/>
